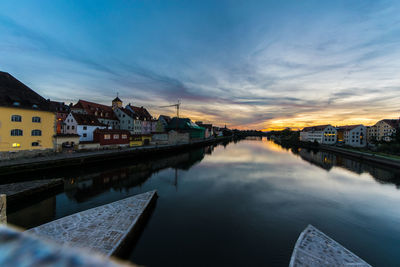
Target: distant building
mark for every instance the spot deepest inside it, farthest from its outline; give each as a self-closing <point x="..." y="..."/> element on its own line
<point x="128" y="120"/>
<point x="162" y="123"/>
<point x="103" y="113"/>
<point x="352" y="135"/>
<point x="27" y="121"/>
<point x="185" y="125"/>
<point x="111" y="137"/>
<point x="383" y="130"/>
<point x="82" y="124"/>
<point x="323" y="134"/>
<point x="62" y="112"/>
<point x="208" y="129"/>
<point x="147" y="123"/>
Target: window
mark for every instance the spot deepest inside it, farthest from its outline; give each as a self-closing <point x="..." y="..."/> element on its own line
<point x="36" y="133"/>
<point x="16" y="118"/>
<point x="84" y="127"/>
<point x="16" y="132"/>
<point x="35" y="119"/>
<point x="107" y="137"/>
<point x="124" y="136"/>
<point x="116" y="136"/>
<point x="73" y="127"/>
<point x="16" y="104"/>
<point x="84" y="135"/>
<point x="35" y="144"/>
<point x="67" y="127"/>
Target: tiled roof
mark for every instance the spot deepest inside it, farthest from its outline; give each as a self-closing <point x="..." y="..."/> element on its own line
<point x="129" y="113"/>
<point x="117" y="99"/>
<point x="348" y="127"/>
<point x="98" y="110"/>
<point x="141" y="112"/>
<point x="59" y="107"/>
<point x="85" y="119"/>
<point x="14" y="93"/>
<point x="315" y="128"/>
<point x="183" y="124"/>
<point x="393" y="123"/>
<point x="165" y="117"/>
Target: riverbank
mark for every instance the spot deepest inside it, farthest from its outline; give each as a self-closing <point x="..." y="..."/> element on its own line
<point x="362" y="155"/>
<point x="93" y="157"/>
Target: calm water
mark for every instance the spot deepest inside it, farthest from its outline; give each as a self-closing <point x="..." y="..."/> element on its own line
<point x="243" y="204"/>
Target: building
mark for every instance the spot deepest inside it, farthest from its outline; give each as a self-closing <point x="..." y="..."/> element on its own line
<point x="383" y="130"/>
<point x="162" y="123"/>
<point x="352" y="135"/>
<point x="103" y="113"/>
<point x="27" y="121"/>
<point x="185" y="125"/>
<point x="323" y="134"/>
<point x="140" y="140"/>
<point x="82" y="124"/>
<point x="62" y="112"/>
<point x="208" y="129"/>
<point x="111" y="137"/>
<point x="147" y="124"/>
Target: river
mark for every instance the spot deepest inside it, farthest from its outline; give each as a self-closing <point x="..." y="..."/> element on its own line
<point x="240" y="204"/>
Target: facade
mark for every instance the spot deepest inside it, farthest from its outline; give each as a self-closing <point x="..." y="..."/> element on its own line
<point x="176" y="137"/>
<point x="103" y="113"/>
<point x="145" y="120"/>
<point x="111" y="137"/>
<point x="352" y="135"/>
<point x="159" y="138"/>
<point x="383" y="130"/>
<point x="185" y="125"/>
<point x="27" y="121"/>
<point x="208" y="129"/>
<point x="128" y="120"/>
<point x="62" y="112"/>
<point x="82" y="124"/>
<point x="323" y="134"/>
<point x="140" y="140"/>
<point x="162" y="123"/>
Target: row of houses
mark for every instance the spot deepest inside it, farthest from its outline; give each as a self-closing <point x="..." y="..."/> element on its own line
<point x="29" y="122"/>
<point x="351" y="135"/>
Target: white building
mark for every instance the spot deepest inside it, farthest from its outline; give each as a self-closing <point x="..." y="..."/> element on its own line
<point x="83" y="125"/>
<point x="323" y="134"/>
<point x="352" y="135"/>
<point x="383" y="130"/>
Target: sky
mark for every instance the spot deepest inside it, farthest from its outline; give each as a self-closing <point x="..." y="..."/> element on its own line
<point x="247" y="64"/>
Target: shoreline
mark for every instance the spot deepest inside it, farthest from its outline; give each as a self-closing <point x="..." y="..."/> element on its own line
<point x="86" y="158"/>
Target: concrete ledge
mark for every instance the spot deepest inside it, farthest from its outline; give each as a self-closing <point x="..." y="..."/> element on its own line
<point x="314" y="248"/>
<point x="19" y="191"/>
<point x="103" y="229"/>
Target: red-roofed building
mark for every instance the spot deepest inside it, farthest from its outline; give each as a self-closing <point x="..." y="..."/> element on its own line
<point x="323" y="134"/>
<point x="103" y="113"/>
<point x="82" y="124"/>
<point x="352" y="135"/>
<point x="148" y="124"/>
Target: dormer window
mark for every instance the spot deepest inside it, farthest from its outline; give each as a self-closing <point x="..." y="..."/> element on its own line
<point x="35" y="106"/>
<point x="16" y="104"/>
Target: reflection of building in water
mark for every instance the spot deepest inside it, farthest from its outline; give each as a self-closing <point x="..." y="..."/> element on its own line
<point x="321" y="159"/>
<point x="327" y="160"/>
<point x="34" y="215"/>
<point x="87" y="186"/>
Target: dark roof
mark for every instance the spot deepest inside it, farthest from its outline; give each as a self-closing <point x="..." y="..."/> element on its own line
<point x="315" y="128"/>
<point x="117" y="99"/>
<point x="348" y="127"/>
<point x="98" y="110"/>
<point x="141" y="112"/>
<point x="129" y="113"/>
<point x="14" y="93"/>
<point x="85" y="119"/>
<point x="393" y="123"/>
<point x="183" y="124"/>
<point x="59" y="107"/>
<point x="208" y="126"/>
<point x="165" y="117"/>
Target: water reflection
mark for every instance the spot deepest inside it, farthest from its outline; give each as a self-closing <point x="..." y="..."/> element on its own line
<point x="327" y="161"/>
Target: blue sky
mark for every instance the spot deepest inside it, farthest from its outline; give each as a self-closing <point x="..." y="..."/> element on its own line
<point x="253" y="64"/>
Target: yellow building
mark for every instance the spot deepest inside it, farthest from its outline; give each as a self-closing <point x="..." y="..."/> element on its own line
<point x="26" y="119"/>
<point x="140" y="140"/>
